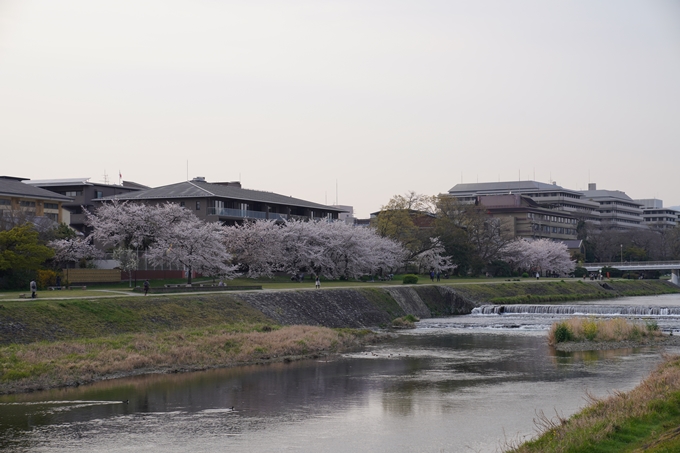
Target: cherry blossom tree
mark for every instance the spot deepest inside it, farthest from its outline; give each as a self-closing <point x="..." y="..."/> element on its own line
<point x="539" y="255"/>
<point x="132" y="225"/>
<point x="256" y="247"/>
<point x="331" y="250"/>
<point x="196" y="245"/>
<point x="434" y="258"/>
<point x="71" y="251"/>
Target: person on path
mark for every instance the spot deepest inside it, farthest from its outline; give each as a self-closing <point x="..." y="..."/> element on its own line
<point x="537" y="275"/>
<point x="34" y="289"/>
<point x="317" y="283"/>
<point x="438" y="275"/>
<point x="146" y="287"/>
<point x="432" y="276"/>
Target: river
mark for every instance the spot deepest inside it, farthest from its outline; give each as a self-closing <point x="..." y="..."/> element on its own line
<point x="469" y="383"/>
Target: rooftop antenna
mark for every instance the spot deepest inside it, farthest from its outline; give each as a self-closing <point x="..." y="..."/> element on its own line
<point x="106" y="178"/>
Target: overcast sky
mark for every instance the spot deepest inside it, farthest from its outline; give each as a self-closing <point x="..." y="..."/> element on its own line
<point x="381" y="96"/>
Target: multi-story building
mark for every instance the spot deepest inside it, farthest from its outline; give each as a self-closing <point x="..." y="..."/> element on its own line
<point x="83" y="194"/>
<point x="548" y="196"/>
<point x="655" y="216"/>
<point x="21" y="202"/>
<point x="522" y="217"/>
<point x="616" y="209"/>
<point x="229" y="203"/>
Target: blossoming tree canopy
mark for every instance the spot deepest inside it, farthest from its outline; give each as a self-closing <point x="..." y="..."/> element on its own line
<point x="540" y="255"/>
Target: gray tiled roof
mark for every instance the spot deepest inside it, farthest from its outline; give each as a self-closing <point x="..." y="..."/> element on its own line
<point x="200" y="189"/>
<point x="504" y="186"/>
<point x="617" y="194"/>
<point x="14" y="188"/>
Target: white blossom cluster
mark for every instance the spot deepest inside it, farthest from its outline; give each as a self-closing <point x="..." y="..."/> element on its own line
<point x="171" y="234"/>
<point x="541" y="255"/>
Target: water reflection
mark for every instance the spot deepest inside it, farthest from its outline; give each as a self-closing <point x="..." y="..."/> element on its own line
<point x="429" y="390"/>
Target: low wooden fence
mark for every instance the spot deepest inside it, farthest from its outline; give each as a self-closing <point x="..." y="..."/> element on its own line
<point x="91" y="275"/>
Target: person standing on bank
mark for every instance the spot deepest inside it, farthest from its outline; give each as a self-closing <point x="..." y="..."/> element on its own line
<point x="34" y="289"/>
<point x="146" y="287"/>
<point x="317" y="283"/>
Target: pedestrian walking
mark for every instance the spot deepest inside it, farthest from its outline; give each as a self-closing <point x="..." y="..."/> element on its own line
<point x="438" y="275"/>
<point x="317" y="283"/>
<point x="34" y="289"/>
<point x="146" y="287"/>
<point x="432" y="276"/>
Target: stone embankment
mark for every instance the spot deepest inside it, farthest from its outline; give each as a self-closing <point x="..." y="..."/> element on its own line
<point x="359" y="307"/>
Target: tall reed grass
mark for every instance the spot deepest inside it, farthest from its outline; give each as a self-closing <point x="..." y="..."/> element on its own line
<point x="591" y="329"/>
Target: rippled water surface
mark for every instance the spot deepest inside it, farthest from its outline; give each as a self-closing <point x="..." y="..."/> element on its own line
<point x="452" y="385"/>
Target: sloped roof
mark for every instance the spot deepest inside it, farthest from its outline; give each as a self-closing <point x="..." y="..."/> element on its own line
<point x="617" y="194"/>
<point x="14" y="188"/>
<point x="480" y="188"/>
<point x="202" y="189"/>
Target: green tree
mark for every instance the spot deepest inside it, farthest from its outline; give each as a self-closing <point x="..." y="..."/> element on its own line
<point x="469" y="234"/>
<point x="408" y="219"/>
<point x="20" y="249"/>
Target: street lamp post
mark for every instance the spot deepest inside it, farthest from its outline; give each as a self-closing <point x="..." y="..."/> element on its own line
<point x="621" y="254"/>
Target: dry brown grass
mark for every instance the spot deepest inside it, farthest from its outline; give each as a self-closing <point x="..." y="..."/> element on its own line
<point x="617" y="329"/>
<point x="603" y="417"/>
<point x="43" y="365"/>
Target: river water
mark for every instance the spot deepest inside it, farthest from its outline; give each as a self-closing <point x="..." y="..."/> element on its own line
<point x="469" y="383"/>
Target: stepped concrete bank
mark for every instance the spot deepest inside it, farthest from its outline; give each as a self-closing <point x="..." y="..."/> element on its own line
<point x="50" y="320"/>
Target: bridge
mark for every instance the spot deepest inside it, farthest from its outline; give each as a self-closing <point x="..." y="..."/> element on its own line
<point x="673" y="266"/>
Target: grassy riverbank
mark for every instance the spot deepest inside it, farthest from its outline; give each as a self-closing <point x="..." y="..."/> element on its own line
<point x="539" y="292"/>
<point x="644" y="419"/>
<point x="43" y="365"/>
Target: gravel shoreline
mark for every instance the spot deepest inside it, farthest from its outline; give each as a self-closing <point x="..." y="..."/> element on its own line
<point x="572" y="346"/>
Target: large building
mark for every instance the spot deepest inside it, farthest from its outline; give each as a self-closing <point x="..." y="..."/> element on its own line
<point x="549" y="196"/>
<point x="655" y="216"/>
<point x="616" y="209"/>
<point x="21" y="202"/>
<point x="522" y="217"/>
<point x="83" y="193"/>
<point x="229" y="203"/>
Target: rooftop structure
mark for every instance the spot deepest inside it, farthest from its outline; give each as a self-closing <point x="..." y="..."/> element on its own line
<point x="229" y="203"/>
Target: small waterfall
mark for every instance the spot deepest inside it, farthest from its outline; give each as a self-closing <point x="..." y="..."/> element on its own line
<point x="576" y="310"/>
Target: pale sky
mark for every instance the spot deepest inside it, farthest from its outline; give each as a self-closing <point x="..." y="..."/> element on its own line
<point x="381" y="96"/>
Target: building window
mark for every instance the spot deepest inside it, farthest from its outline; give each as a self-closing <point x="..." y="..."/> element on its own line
<point x="73" y="193"/>
<point x="181" y="203"/>
<point x="198" y="205"/>
<point x="51" y="206"/>
<point x="4" y="201"/>
<point x="98" y="194"/>
<point x="27" y="204"/>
